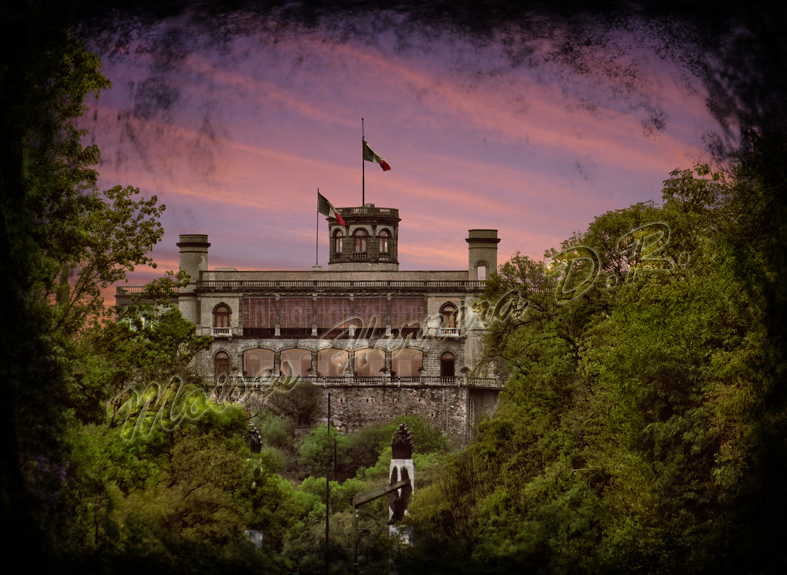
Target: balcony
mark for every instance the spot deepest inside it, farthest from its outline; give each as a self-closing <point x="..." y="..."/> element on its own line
<point x="360" y="256"/>
<point x="369" y="211"/>
<point x="259" y="332"/>
<point x="123" y="290"/>
<point x="221" y="331"/>
<point x="448" y="332"/>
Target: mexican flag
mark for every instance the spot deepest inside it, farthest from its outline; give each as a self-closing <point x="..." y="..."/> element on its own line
<point x="370" y="156"/>
<point x="326" y="208"/>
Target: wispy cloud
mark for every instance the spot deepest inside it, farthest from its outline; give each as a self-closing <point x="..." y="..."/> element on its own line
<point x="237" y="140"/>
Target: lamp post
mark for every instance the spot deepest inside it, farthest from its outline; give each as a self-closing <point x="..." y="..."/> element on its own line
<point x="328" y="492"/>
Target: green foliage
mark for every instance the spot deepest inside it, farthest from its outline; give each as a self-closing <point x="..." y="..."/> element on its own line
<point x="363" y="460"/>
<point x="634" y="423"/>
<point x="81" y="496"/>
<point x="317" y="451"/>
<point x="426" y="439"/>
<point x="361" y="450"/>
<point x="278" y="432"/>
<point x="301" y="403"/>
<point x="162" y="497"/>
<point x="642" y="428"/>
<point x="61" y="241"/>
<point x="143" y="346"/>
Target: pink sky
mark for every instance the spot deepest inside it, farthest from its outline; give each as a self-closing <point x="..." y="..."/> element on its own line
<point x="235" y="139"/>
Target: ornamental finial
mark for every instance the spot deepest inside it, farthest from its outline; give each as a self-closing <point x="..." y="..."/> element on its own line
<point x="402" y="443"/>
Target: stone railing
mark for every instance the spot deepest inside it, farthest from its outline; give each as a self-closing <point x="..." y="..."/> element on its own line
<point x="368" y="211"/>
<point x="124" y="290"/>
<point x="321" y="285"/>
<point x="448" y="332"/>
<point x="310" y="285"/>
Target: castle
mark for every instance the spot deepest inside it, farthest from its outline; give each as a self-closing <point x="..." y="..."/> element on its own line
<point x="383" y="342"/>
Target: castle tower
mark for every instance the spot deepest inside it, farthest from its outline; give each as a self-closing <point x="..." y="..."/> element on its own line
<point x="193" y="259"/>
<point x="482" y="249"/>
<point x="368" y="243"/>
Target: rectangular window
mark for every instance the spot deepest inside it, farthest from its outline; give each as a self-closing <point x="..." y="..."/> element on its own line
<point x="332" y="311"/>
<point x="407" y="311"/>
<point x="332" y="314"/>
<point x="259" y="312"/>
<point x="371" y="310"/>
<point x="295" y="312"/>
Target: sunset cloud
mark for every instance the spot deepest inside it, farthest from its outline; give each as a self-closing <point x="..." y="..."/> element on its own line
<point x="511" y="134"/>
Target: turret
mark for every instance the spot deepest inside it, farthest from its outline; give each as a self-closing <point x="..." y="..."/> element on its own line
<point x="369" y="242"/>
<point x="482" y="249"/>
<point x="193" y="260"/>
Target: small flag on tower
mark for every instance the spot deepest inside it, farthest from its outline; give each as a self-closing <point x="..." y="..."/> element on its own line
<point x="326" y="208"/>
<point x="370" y="156"/>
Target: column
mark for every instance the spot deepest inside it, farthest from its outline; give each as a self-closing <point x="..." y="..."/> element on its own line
<point x="352" y="316"/>
<point x="277" y="330"/>
<point x="388" y="315"/>
<point x="314" y="321"/>
<point x="350" y="371"/>
<point x="314" y="364"/>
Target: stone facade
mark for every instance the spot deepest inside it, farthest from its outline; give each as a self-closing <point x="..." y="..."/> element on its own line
<point x="384" y="342"/>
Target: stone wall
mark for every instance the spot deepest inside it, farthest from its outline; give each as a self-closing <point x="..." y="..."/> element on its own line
<point x="451" y="407"/>
<point x="445" y="408"/>
<point x="481" y="403"/>
<point x="454" y="409"/>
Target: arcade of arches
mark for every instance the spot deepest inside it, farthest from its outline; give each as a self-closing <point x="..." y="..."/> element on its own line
<point x="330" y="362"/>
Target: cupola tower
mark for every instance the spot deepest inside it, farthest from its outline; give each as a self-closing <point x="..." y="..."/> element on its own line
<point x="369" y="242"/>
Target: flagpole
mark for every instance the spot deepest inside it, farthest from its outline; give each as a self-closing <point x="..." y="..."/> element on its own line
<point x="317" y="233"/>
<point x="363" y="168"/>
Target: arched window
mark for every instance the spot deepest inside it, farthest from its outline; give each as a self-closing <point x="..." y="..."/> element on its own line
<point x="384" y="235"/>
<point x="369" y="362"/>
<point x="332" y="362"/>
<point x="257" y="363"/>
<point x="296" y="362"/>
<point x="221" y="316"/>
<point x="360" y="241"/>
<point x="221" y="366"/>
<point x="338" y="238"/>
<point x="448" y="316"/>
<point x="480" y="270"/>
<point x="406" y="362"/>
<point x="447" y="364"/>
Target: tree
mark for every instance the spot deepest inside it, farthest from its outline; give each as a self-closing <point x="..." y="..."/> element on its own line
<point x="45" y="77"/>
<point x="641" y="428"/>
<point x="301" y="403"/>
<point x="60" y="242"/>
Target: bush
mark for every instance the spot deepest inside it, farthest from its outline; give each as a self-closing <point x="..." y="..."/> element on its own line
<point x="362" y="450"/>
<point x="276" y="431"/>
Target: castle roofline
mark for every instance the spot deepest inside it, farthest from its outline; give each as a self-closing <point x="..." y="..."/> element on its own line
<point x="333" y="275"/>
<point x="279" y="272"/>
<point x="369" y="210"/>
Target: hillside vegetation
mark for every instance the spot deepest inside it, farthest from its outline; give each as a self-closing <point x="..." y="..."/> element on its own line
<point x="642" y="429"/>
